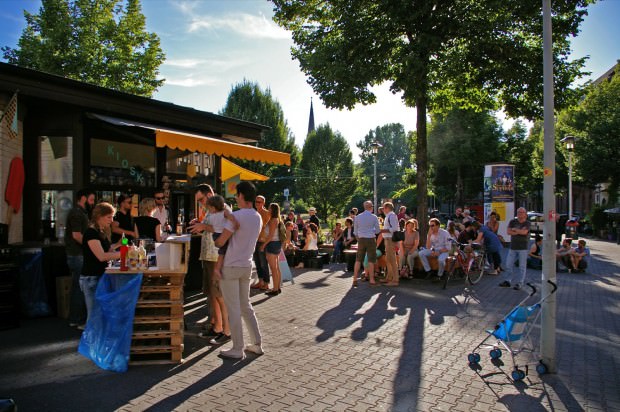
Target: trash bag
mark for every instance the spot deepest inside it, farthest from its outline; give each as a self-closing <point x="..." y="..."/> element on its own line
<point x="106" y="339"/>
<point x="33" y="293"/>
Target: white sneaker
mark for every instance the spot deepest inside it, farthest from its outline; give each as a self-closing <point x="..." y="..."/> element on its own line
<point x="230" y="353"/>
<point x="492" y="272"/>
<point x="255" y="349"/>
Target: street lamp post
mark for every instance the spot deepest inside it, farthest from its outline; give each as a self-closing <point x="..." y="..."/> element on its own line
<point x="374" y="148"/>
<point x="569" y="141"/>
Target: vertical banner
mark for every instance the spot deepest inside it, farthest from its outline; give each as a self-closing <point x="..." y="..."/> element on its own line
<point x="499" y="195"/>
<point x="230" y="186"/>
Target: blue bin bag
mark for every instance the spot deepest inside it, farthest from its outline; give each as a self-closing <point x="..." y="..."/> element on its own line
<point x="513" y="326"/>
<point x="106" y="339"/>
<point x="32" y="285"/>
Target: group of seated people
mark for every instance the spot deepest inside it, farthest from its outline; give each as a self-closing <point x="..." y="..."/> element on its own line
<point x="574" y="259"/>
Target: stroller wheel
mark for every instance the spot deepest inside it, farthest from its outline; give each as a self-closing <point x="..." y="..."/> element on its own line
<point x="495" y="353"/>
<point x="473" y="357"/>
<point x="517" y="375"/>
<point x="541" y="368"/>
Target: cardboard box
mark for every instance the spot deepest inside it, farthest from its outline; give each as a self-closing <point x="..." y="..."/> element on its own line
<point x="63" y="296"/>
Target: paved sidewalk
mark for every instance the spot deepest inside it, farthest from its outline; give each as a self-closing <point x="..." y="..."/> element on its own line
<point x="330" y="347"/>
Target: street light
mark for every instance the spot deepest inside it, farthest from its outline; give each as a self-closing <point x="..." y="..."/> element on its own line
<point x="374" y="148"/>
<point x="569" y="142"/>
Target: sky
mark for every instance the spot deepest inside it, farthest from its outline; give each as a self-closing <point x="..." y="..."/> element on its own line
<point x="212" y="45"/>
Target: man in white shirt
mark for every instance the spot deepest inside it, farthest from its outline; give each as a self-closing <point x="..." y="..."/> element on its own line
<point x="161" y="212"/>
<point x="438" y="246"/>
<point x="390" y="225"/>
<point x="366" y="227"/>
<point x="237" y="271"/>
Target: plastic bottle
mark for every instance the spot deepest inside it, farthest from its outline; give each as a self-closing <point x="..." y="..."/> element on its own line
<point x="142" y="260"/>
<point x="133" y="257"/>
<point x="124" y="249"/>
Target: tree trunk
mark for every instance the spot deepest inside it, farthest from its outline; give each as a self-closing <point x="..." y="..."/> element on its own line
<point x="422" y="167"/>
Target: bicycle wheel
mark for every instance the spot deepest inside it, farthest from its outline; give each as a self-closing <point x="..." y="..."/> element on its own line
<point x="476" y="270"/>
<point x="450" y="268"/>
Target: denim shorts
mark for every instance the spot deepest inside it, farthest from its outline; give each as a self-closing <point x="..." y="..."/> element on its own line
<point x="274" y="247"/>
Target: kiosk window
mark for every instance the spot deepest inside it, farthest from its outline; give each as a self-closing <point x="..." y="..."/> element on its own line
<point x="56" y="159"/>
<point x="123" y="164"/>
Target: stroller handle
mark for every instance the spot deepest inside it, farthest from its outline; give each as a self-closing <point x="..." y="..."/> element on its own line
<point x="533" y="289"/>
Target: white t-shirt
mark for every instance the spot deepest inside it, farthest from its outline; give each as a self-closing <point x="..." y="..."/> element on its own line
<point x="391" y="223"/>
<point x="217" y="220"/>
<point x="243" y="240"/>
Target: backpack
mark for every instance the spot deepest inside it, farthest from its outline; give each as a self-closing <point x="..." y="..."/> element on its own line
<point x="282" y="231"/>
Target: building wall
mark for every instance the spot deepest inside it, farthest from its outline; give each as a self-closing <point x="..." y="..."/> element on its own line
<point x="10" y="148"/>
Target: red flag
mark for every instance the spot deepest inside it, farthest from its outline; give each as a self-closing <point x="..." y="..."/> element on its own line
<point x="9" y="117"/>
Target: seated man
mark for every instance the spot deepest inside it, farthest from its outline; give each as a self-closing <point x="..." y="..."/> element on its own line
<point x="437" y="245"/>
<point x="564" y="254"/>
<point x="534" y="256"/>
<point x="580" y="257"/>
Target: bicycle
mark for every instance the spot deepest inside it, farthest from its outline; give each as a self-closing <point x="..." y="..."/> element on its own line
<point x="467" y="261"/>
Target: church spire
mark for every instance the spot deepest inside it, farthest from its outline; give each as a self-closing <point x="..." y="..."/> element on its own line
<point x="311" y="120"/>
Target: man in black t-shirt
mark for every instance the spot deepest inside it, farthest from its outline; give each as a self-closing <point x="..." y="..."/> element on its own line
<point x="519" y="231"/>
<point x="77" y="223"/>
<point x="123" y="222"/>
<point x="313" y="217"/>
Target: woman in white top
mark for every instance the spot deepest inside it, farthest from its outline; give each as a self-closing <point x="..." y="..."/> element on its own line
<point x="272" y="247"/>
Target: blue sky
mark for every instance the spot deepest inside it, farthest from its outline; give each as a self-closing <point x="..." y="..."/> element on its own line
<point x="211" y="45"/>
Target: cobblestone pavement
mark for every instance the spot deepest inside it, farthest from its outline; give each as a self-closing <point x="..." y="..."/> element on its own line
<point x="330" y="347"/>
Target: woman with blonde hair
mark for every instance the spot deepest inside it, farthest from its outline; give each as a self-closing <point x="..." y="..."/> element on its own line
<point x="98" y="250"/>
<point x="146" y="226"/>
<point x="273" y="246"/>
<point x="410" y="248"/>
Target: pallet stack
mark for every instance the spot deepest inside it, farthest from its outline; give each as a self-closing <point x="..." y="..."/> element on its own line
<point x="158" y="322"/>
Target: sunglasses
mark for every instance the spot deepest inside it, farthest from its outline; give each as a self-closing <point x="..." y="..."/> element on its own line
<point x="159" y="197"/>
<point x="432" y="225"/>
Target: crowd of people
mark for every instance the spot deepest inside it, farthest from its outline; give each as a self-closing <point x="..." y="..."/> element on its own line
<point x="386" y="245"/>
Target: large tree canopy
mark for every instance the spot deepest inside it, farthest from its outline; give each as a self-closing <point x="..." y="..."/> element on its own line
<point x="470" y="53"/>
<point x="393" y="158"/>
<point x="595" y="121"/>
<point x="103" y="42"/>
<point x="246" y="101"/>
<point x="330" y="184"/>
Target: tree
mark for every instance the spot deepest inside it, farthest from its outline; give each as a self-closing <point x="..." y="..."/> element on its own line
<point x="331" y="184"/>
<point x="246" y="101"/>
<point x="461" y="143"/>
<point x="100" y="42"/>
<point x="438" y="54"/>
<point x="596" y="124"/>
<point x="393" y="158"/>
<point x="524" y="152"/>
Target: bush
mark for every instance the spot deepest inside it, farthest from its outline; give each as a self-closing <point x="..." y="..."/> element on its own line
<point x="598" y="218"/>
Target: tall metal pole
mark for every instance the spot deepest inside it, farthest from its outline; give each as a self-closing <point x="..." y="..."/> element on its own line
<point x="548" y="318"/>
<point x="570" y="184"/>
<point x="375" y="183"/>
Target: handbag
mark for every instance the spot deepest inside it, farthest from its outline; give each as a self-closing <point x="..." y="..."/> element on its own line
<point x="398" y="236"/>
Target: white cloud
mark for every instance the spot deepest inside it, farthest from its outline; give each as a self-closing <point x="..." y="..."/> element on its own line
<point x="191" y="81"/>
<point x="248" y="25"/>
<point x="185" y="63"/>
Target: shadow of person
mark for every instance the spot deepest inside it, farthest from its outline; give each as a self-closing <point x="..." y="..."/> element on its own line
<point x="342" y="315"/>
<point x="377" y="315"/>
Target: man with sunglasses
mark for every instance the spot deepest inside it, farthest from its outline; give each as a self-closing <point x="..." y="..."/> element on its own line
<point x="161" y="212"/>
<point x="438" y="246"/>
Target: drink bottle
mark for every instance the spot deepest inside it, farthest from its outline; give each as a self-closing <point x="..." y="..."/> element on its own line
<point x="124" y="249"/>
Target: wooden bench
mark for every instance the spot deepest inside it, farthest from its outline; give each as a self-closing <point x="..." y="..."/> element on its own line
<point x="418" y="267"/>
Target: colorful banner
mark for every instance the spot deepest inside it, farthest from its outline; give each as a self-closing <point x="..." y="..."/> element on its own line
<point x="230" y="186"/>
<point x="499" y="195"/>
<point x="502" y="183"/>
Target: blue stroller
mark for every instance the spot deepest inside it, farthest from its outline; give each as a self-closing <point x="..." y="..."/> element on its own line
<point x="512" y="334"/>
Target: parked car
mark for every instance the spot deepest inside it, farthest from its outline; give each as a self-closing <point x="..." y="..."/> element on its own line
<point x="537" y="222"/>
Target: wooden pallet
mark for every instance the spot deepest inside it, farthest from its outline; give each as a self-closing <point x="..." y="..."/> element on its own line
<point x="156" y="354"/>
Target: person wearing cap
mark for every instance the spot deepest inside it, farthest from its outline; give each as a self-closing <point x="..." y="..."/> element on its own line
<point x="313" y="217"/>
<point x="468" y="234"/>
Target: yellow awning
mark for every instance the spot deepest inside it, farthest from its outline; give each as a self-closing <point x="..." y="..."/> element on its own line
<point x="202" y="144"/>
<point x="229" y="169"/>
